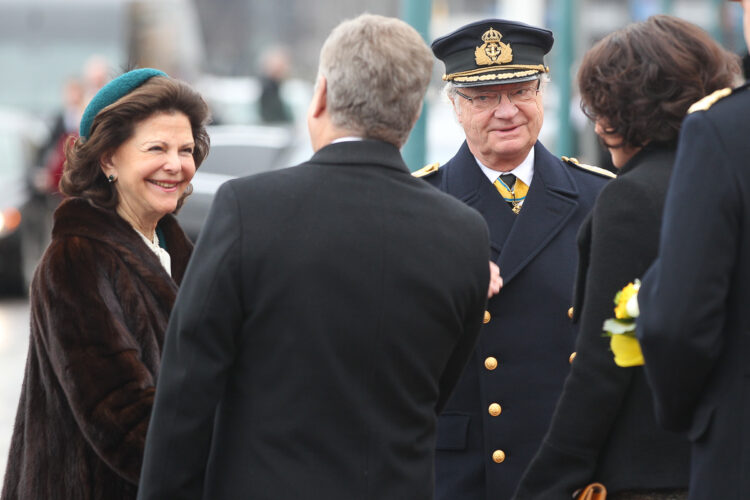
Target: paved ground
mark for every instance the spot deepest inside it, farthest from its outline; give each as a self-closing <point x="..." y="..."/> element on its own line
<point x="14" y="337"/>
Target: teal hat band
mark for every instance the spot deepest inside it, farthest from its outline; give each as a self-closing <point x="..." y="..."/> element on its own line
<point x="112" y="91"/>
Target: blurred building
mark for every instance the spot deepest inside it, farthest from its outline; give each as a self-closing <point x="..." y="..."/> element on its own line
<point x="237" y="32"/>
<point x="43" y="43"/>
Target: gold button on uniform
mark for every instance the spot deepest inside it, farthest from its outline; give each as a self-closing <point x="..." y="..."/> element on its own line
<point x="495" y="409"/>
<point x="487" y="317"/>
<point x="490" y="363"/>
<point x="570" y="313"/>
<point x="572" y="357"/>
<point x="498" y="456"/>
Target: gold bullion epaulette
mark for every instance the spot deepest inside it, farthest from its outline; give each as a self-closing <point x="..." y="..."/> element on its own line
<point x="709" y="100"/>
<point x="427" y="170"/>
<point x="589" y="168"/>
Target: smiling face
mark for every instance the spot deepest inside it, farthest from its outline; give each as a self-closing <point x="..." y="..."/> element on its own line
<point x="500" y="137"/>
<point x="152" y="169"/>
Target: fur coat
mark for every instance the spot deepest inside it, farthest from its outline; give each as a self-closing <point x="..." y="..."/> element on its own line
<point x="100" y="302"/>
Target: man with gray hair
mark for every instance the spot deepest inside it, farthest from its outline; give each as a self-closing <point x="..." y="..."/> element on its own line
<point x="328" y="308"/>
<point x="533" y="203"/>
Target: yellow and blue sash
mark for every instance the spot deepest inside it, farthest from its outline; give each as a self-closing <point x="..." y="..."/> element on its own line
<point x="514" y="196"/>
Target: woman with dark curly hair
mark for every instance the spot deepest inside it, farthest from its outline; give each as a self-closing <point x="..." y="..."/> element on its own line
<point x="103" y="291"/>
<point x="636" y="86"/>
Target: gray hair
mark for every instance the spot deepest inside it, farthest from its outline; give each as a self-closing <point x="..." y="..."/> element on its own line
<point x="377" y="70"/>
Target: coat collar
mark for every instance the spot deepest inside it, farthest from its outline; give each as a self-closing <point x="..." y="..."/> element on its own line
<point x="517" y="239"/>
<point x="467" y="180"/>
<point x="79" y="217"/>
<point x="646" y="154"/>
<point x="364" y="152"/>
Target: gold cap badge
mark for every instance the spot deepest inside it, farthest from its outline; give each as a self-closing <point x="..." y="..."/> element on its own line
<point x="493" y="51"/>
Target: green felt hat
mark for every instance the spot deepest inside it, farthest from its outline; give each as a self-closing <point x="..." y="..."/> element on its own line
<point x="111" y="92"/>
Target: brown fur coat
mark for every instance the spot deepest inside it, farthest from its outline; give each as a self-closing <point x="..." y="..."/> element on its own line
<point x="100" y="301"/>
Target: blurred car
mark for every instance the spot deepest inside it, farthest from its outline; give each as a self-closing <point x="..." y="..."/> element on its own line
<point x="237" y="151"/>
<point x="25" y="217"/>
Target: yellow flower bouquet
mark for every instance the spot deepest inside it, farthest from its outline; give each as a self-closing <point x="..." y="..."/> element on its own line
<point x="621" y="328"/>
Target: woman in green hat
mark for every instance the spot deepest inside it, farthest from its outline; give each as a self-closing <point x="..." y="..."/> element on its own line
<point x="103" y="291"/>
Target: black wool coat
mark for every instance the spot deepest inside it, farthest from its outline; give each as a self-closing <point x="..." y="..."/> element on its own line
<point x="325" y="318"/>
<point x="521" y="358"/>
<point x="604" y="428"/>
<point x="694" y="325"/>
<point x="100" y="302"/>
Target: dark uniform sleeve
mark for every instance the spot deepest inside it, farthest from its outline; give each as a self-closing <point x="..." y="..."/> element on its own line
<point x="198" y="354"/>
<point x="683" y="297"/>
<point x="623" y="243"/>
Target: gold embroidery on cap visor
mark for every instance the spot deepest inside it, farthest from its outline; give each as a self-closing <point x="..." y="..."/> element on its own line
<point x="485" y="74"/>
<point x="493" y="51"/>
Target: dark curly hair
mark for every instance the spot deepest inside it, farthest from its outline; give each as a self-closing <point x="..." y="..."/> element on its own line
<point x="115" y="124"/>
<point x="641" y="80"/>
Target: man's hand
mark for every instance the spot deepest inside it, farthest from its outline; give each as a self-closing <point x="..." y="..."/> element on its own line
<point x="496" y="282"/>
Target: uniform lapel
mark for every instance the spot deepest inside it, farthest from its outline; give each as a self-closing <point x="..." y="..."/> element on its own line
<point x="466" y="181"/>
<point x="500" y="218"/>
<point x="551" y="201"/>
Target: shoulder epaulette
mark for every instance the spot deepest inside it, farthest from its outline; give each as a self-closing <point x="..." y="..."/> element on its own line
<point x="708" y="101"/>
<point x="589" y="168"/>
<point x="426" y="170"/>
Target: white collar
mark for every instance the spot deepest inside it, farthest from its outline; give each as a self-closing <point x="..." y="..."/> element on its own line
<point x="163" y="255"/>
<point x="524" y="171"/>
<point x="350" y="138"/>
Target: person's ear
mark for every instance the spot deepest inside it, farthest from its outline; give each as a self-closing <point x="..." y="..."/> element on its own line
<point x="320" y="97"/>
<point x="107" y="165"/>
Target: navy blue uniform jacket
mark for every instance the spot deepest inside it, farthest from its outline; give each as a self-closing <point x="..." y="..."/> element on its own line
<point x="529" y="333"/>
<point x="694" y="325"/>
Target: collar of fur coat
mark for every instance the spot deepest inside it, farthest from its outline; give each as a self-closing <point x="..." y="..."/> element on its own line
<point x="79" y="217"/>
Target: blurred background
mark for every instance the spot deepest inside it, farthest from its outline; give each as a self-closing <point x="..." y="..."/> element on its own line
<point x="255" y="62"/>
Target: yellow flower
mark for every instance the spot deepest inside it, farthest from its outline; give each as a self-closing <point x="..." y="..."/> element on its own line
<point x="627" y="350"/>
<point x="621" y="328"/>
<point x="622" y="299"/>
